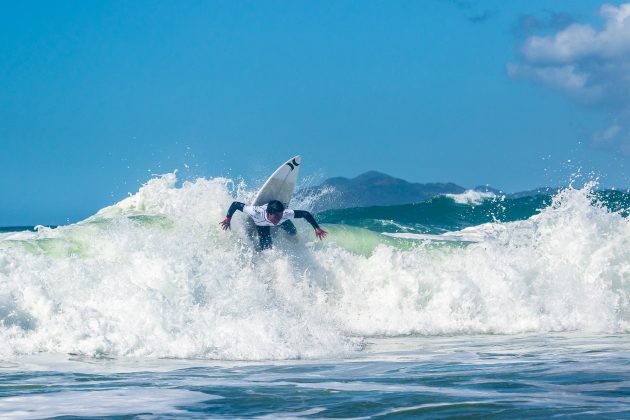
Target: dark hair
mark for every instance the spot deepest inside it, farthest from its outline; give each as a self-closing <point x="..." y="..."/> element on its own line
<point x="275" y="206"/>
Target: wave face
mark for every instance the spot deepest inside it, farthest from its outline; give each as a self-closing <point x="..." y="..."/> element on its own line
<point x="451" y="212"/>
<point x="154" y="276"/>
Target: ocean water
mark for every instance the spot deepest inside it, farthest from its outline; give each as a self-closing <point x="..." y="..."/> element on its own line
<point x="465" y="305"/>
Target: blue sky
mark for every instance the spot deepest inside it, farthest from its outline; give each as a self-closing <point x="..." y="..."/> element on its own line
<point x="95" y="97"/>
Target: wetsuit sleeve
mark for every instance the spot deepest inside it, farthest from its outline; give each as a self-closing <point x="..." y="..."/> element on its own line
<point x="236" y="205"/>
<point x="303" y="214"/>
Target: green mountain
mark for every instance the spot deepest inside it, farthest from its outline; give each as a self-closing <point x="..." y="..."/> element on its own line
<point x="376" y="189"/>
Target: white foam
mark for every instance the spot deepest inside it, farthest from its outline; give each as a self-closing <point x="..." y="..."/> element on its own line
<point x="445" y="237"/>
<point x="115" y="402"/>
<point x="479" y="233"/>
<point x="471" y="197"/>
<point x="154" y="276"/>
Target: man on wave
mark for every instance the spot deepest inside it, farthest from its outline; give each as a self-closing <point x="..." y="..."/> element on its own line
<point x="271" y="214"/>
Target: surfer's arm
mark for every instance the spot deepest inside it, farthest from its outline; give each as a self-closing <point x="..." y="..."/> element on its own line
<point x="236" y="205"/>
<point x="303" y="214"/>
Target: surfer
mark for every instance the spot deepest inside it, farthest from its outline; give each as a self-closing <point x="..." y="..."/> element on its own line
<point x="271" y="214"/>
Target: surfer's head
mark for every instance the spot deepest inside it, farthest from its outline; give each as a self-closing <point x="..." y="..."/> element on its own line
<point x="274" y="211"/>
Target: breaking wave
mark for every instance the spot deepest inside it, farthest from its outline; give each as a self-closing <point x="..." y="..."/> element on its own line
<point x="154" y="276"/>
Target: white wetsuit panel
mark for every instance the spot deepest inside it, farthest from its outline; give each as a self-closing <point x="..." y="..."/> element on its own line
<point x="259" y="215"/>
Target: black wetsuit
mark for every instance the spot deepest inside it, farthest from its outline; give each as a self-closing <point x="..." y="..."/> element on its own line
<point x="264" y="232"/>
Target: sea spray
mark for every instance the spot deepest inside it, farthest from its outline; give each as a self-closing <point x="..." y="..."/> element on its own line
<point x="472" y="197"/>
<point x="155" y="276"/>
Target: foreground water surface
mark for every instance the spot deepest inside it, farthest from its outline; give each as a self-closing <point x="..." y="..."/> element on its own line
<point x="433" y="377"/>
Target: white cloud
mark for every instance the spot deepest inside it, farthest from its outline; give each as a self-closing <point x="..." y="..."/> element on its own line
<point x="561" y="77"/>
<point x="589" y="64"/>
<point x="579" y="41"/>
<point x="607" y="136"/>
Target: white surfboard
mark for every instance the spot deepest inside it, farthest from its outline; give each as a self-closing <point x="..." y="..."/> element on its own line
<point x="280" y="185"/>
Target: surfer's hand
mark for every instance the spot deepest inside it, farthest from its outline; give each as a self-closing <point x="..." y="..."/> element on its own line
<point x="320" y="233"/>
<point x="225" y="223"/>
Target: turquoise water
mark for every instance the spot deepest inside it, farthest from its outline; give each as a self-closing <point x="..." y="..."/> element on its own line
<point x="16" y="228"/>
<point x="443" y="214"/>
<point x="488" y="307"/>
